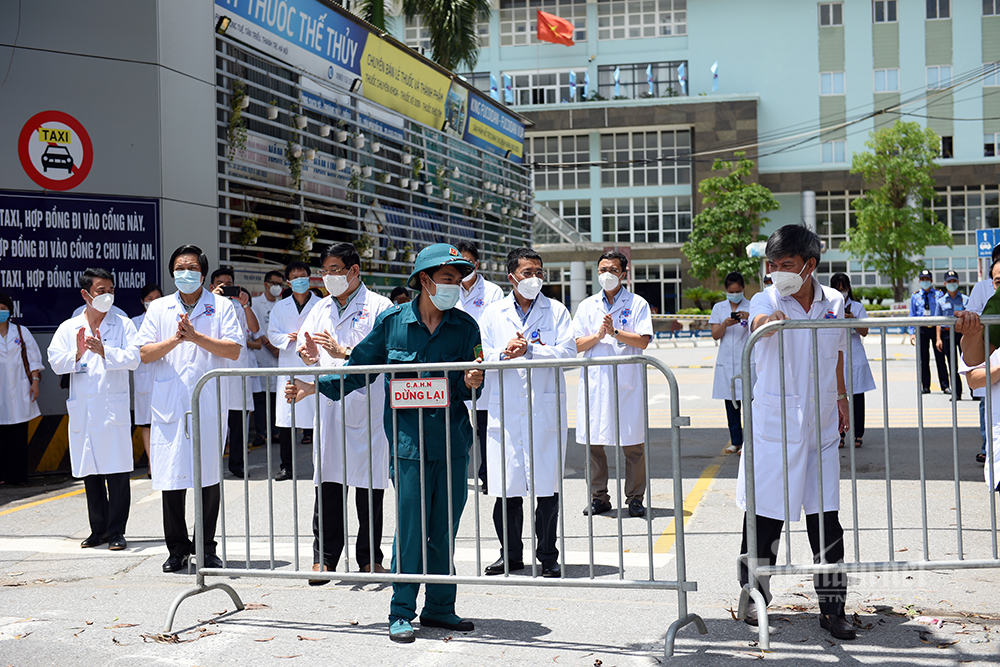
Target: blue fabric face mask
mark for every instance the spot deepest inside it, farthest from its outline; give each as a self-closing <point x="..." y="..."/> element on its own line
<point x="925" y="284"/>
<point x="187" y="282"/>
<point x="445" y="296"/>
<point x="300" y="285"/>
<point x="4" y="316"/>
<point x="734" y="297"/>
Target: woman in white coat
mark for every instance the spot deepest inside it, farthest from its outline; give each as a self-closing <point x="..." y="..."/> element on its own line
<point x="97" y="350"/>
<point x="20" y="370"/>
<point x="184" y="336"/>
<point x="861" y="372"/>
<point x="729" y="321"/>
<point x="526" y="324"/>
<point x="142" y="378"/>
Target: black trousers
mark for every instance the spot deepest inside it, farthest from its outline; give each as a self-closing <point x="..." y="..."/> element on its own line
<point x="260" y="413"/>
<point x="108" y="500"/>
<point x="482" y="417"/>
<point x="928" y="338"/>
<point x="859" y="416"/>
<point x="236" y="431"/>
<point x="956" y="386"/>
<point x="285" y="446"/>
<point x="175" y="526"/>
<point x="14" y="453"/>
<point x="735" y="425"/>
<point x="831" y="589"/>
<point x="333" y="525"/>
<point x="546" y="514"/>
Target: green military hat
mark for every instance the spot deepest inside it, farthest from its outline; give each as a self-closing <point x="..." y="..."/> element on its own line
<point x="435" y="255"/>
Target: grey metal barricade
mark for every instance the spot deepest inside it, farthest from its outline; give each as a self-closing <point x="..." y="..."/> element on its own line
<point x="758" y="570"/>
<point x="681" y="584"/>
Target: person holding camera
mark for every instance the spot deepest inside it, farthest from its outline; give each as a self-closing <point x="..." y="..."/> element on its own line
<point x="729" y="326"/>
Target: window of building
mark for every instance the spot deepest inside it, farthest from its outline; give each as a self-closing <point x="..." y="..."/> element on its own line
<point x="629" y="19"/>
<point x="646" y="219"/>
<point x="544" y="87"/>
<point x="992" y="145"/>
<point x="884" y="11"/>
<point x="576" y="214"/>
<point x="831" y="83"/>
<point x="565" y="150"/>
<point x="479" y="81"/>
<point x="992" y="73"/>
<point x="964" y="209"/>
<point x="416" y="37"/>
<point x="887" y="81"/>
<point x="834" y="216"/>
<point x="834" y="151"/>
<point x="831" y="13"/>
<point x="659" y="284"/>
<point x="656" y="157"/>
<point x="938" y="9"/>
<point x="519" y="27"/>
<point x="633" y="82"/>
<point x="939" y="76"/>
<point x="947" y="148"/>
<point x="991" y="7"/>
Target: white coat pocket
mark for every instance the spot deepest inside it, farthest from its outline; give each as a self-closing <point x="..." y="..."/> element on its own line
<point x="77" y="412"/>
<point x="828" y="341"/>
<point x="165" y="404"/>
<point x="118" y="410"/>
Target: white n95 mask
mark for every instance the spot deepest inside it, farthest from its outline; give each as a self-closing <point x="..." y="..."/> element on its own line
<point x="608" y="281"/>
<point x="529" y="288"/>
<point x="786" y="282"/>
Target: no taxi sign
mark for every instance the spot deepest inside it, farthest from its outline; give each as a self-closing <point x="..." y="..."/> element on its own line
<point x="419" y="393"/>
<point x="55" y="150"/>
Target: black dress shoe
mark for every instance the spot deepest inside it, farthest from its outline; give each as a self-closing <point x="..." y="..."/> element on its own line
<point x="212" y="560"/>
<point x="174" y="563"/>
<point x="239" y="472"/>
<point x="635" y="508"/>
<point x="838" y="626"/>
<point x="454" y="623"/>
<point x="282" y="475"/>
<point x="925" y="391"/>
<point x="551" y="569"/>
<point x="497" y="567"/>
<point x="946" y="390"/>
<point x="117" y="543"/>
<point x="93" y="541"/>
<point x="597" y="506"/>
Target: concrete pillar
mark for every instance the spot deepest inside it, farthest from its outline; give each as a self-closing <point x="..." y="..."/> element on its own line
<point x="577" y="284"/>
<point x="809" y="210"/>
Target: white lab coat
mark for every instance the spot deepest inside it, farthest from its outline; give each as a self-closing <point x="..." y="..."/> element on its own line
<point x="142" y="383"/>
<point x="800" y="409"/>
<point x="981" y="293"/>
<point x="100" y="424"/>
<point x="349" y="329"/>
<point x="285" y="320"/>
<point x="262" y="309"/>
<point x="174" y="377"/>
<point x="630" y="313"/>
<point x="474" y="302"/>
<point x="861" y="372"/>
<point x="549" y="331"/>
<point x="16" y="406"/>
<point x="238" y="399"/>
<point x="992" y="466"/>
<point x="729" y="360"/>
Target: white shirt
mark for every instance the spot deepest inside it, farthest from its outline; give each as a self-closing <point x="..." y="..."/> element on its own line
<point x="992" y="466"/>
<point x="16" y="405"/>
<point x="286" y="319"/>
<point x="861" y="371"/>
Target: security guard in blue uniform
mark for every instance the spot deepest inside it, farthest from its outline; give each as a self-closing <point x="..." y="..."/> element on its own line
<point x="924" y="303"/>
<point x="429" y="329"/>
<point x="950" y="302"/>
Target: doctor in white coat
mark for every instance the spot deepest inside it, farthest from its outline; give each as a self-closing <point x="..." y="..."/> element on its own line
<point x="476" y="294"/>
<point x="184" y="336"/>
<point x="287" y="318"/>
<point x="142" y="378"/>
<point x="338" y="323"/>
<point x="613" y="322"/>
<point x="526" y="324"/>
<point x="729" y="321"/>
<point x="20" y="371"/>
<point x="267" y="356"/>
<point x="97" y="349"/>
<point x="861" y="372"/>
<point x="793" y="254"/>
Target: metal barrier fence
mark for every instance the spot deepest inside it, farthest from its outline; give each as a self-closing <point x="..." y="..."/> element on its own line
<point x="272" y="569"/>
<point x="760" y="571"/>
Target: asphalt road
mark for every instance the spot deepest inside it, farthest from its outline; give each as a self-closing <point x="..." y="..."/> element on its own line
<point x="61" y="605"/>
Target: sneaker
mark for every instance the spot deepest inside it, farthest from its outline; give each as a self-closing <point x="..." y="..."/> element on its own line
<point x="400" y="630"/>
<point x="732" y="449"/>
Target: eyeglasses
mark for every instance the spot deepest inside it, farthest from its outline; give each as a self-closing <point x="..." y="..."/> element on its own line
<point x="606" y="269"/>
<point x="333" y="272"/>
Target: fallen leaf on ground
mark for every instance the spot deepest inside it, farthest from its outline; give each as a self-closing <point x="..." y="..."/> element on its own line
<point x="732" y="612"/>
<point x="89" y="622"/>
<point x="121" y="625"/>
<point x="26" y="634"/>
<point x="901" y="550"/>
<point x="803" y="595"/>
<point x="309" y="639"/>
<point x="598" y="663"/>
<point x="283" y="657"/>
<point x="255" y="605"/>
<point x="353" y="622"/>
<point x="447" y="639"/>
<point x="220" y="613"/>
<point x="264" y="640"/>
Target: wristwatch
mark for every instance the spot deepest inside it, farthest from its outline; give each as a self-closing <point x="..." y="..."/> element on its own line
<point x="615" y="334"/>
<point x="347" y="352"/>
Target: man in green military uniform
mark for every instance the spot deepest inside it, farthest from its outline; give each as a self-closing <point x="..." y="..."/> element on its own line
<point x="427" y="330"/>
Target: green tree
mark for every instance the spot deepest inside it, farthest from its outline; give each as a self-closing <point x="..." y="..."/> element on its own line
<point x="893" y="226"/>
<point x="452" y="28"/>
<point x="730" y="221"/>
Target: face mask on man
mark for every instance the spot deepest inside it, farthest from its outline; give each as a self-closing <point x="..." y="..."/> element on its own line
<point x="187" y="282"/>
<point x="734" y="297"/>
<point x="300" y="285"/>
<point x="275" y="290"/>
<point x="951" y="287"/>
<point x="336" y="285"/>
<point x="925" y="284"/>
<point x="608" y="280"/>
<point x="102" y="302"/>
<point x="786" y="282"/>
<point x="529" y="287"/>
<point x="445" y="296"/>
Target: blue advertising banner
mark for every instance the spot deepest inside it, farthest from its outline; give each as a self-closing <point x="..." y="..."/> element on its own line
<point x="48" y="241"/>
<point x="492" y="129"/>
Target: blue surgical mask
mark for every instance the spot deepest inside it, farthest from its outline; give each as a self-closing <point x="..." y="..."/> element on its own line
<point x="4" y="316"/>
<point x="445" y="297"/>
<point x="734" y="297"/>
<point x="188" y="282"/>
<point x="925" y="284"/>
<point x="300" y="285"/>
<point x="951" y="287"/>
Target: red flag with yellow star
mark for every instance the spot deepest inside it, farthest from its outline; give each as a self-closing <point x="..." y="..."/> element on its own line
<point x="554" y="29"/>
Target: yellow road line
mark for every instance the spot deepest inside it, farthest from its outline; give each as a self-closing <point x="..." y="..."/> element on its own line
<point x="42" y="502"/>
<point x="666" y="540"/>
